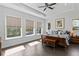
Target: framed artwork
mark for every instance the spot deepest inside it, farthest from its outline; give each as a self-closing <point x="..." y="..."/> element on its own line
<point x="60" y="23"/>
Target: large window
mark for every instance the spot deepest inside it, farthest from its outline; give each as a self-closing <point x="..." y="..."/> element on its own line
<point x="29" y="27"/>
<point x="13" y="26"/>
<point x="39" y="26"/>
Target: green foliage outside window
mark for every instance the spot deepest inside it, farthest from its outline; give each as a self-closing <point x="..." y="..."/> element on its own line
<point x="13" y="31"/>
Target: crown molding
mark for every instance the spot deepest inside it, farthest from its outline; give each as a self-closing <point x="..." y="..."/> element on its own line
<point x="13" y="6"/>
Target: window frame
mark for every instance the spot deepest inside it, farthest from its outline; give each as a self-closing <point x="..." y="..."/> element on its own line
<point x="37" y="27"/>
<point x="33" y="28"/>
<point x="7" y="38"/>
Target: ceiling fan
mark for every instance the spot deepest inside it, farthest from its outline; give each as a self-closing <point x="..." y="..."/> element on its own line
<point x="47" y="5"/>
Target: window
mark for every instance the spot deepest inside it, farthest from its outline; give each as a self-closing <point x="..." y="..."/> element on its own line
<point x="39" y="26"/>
<point x="75" y="24"/>
<point x="13" y="26"/>
<point x="29" y="27"/>
<point x="49" y="26"/>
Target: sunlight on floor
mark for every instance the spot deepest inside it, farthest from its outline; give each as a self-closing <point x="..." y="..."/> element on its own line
<point x="14" y="50"/>
<point x="19" y="48"/>
<point x="74" y="53"/>
<point x="33" y="43"/>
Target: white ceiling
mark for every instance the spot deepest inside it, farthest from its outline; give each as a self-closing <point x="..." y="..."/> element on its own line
<point x="24" y="8"/>
<point x="35" y="6"/>
<point x="59" y="7"/>
<point x="33" y="9"/>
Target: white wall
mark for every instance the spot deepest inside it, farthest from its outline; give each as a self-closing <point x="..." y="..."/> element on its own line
<point x="68" y="16"/>
<point x="11" y="12"/>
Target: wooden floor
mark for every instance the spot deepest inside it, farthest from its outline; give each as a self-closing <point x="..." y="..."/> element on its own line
<point x="39" y="50"/>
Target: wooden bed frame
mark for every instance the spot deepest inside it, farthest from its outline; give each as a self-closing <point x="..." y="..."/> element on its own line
<point x="53" y="41"/>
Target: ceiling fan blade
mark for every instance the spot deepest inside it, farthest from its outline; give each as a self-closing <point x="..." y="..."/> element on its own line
<point x="50" y="7"/>
<point x="52" y="4"/>
<point x="41" y="6"/>
<point x="44" y="9"/>
<point x="46" y="4"/>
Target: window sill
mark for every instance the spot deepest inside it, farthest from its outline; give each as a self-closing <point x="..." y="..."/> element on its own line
<point x="29" y="35"/>
<point x="38" y="34"/>
<point x="13" y="38"/>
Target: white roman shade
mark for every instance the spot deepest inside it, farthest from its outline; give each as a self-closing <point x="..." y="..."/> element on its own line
<point x="13" y="21"/>
<point x="29" y="24"/>
<point x="39" y="24"/>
